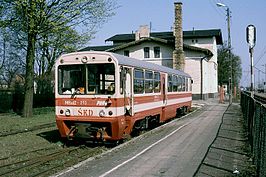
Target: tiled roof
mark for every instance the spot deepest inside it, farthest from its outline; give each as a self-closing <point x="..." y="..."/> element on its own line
<point x="97" y="48"/>
<point x="170" y="37"/>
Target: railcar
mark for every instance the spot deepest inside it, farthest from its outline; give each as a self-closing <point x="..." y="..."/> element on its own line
<point x="106" y="96"/>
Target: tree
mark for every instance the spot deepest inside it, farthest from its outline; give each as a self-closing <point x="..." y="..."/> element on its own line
<point x="11" y="59"/>
<point x="34" y="18"/>
<point x="49" y="47"/>
<point x="224" y="64"/>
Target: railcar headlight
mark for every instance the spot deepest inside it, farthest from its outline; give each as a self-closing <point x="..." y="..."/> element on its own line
<point x="67" y="113"/>
<point x="84" y="59"/>
<point x="61" y="111"/>
<point x="101" y="113"/>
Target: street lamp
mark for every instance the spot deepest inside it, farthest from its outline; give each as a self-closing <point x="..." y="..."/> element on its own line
<point x="229" y="48"/>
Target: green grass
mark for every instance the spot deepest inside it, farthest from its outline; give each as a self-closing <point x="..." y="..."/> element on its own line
<point x="13" y="122"/>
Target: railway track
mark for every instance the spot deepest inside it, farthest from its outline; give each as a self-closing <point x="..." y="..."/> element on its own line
<point x="45" y="161"/>
<point x="38" y="127"/>
<point x="40" y="165"/>
<point x="260" y="97"/>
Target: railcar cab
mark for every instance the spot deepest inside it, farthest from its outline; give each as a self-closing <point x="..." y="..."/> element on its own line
<point x="87" y="96"/>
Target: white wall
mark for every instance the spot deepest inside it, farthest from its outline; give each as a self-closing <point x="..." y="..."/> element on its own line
<point x="138" y="52"/>
<point x="192" y="67"/>
<point x="211" y="69"/>
<point x="192" y="62"/>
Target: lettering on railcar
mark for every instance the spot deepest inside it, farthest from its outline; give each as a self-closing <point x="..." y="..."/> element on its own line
<point x="69" y="102"/>
<point x="85" y="112"/>
<point x="100" y="103"/>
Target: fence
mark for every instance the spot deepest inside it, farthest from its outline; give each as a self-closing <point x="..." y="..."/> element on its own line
<point x="11" y="101"/>
<point x="254" y="113"/>
<point x="6" y="100"/>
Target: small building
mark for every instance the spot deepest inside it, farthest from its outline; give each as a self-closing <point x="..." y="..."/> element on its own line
<point x="198" y="47"/>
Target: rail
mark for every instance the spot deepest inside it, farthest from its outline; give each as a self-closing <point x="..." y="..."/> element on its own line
<point x="254" y="112"/>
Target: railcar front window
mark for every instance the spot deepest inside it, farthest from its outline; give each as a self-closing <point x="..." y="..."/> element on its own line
<point x="86" y="79"/>
<point x="71" y="79"/>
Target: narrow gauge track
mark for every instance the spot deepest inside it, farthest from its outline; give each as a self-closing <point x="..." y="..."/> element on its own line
<point x="260" y="97"/>
<point x="43" y="163"/>
<point x="38" y="127"/>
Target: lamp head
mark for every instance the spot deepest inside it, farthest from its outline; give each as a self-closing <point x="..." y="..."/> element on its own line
<point x="220" y="4"/>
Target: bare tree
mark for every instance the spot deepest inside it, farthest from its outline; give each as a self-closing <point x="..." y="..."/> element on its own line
<point x="35" y="18"/>
<point x="11" y="56"/>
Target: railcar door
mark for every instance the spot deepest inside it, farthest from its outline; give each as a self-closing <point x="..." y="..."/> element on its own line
<point x="164" y="90"/>
<point x="164" y="97"/>
<point x="128" y="90"/>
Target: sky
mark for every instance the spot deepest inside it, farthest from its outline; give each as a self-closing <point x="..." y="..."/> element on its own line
<point x="200" y="15"/>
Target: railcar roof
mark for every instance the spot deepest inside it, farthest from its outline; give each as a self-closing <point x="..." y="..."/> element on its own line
<point x="124" y="60"/>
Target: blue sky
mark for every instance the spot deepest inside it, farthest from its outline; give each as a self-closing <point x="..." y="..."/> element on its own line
<point x="197" y="14"/>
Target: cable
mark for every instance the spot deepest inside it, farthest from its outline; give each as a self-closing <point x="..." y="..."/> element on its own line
<point x="261" y="55"/>
<point x="218" y="10"/>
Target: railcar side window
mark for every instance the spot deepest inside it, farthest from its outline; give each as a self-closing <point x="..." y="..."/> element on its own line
<point x="179" y="84"/>
<point x="183" y="84"/>
<point x="170" y="83"/>
<point x="138" y="81"/>
<point x="157" y="82"/>
<point x="174" y="83"/>
<point x="148" y="81"/>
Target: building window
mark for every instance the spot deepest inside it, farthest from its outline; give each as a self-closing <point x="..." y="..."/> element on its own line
<point x="156" y="52"/>
<point x="126" y="53"/>
<point x="146" y="52"/>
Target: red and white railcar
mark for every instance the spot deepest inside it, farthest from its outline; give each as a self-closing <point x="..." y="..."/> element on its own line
<point x="106" y="96"/>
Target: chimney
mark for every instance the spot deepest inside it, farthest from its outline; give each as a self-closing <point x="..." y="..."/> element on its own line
<point x="178" y="53"/>
<point x="144" y="31"/>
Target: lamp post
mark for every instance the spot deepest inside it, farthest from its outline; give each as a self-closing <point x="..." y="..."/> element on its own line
<point x="229" y="49"/>
<point x="264" y="83"/>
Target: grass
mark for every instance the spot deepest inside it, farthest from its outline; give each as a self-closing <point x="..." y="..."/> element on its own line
<point x="13" y="122"/>
<point x="30" y="144"/>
